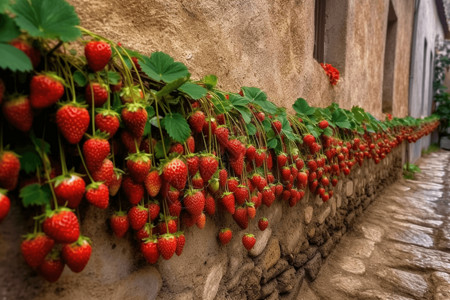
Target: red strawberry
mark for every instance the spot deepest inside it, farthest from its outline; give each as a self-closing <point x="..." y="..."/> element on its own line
<point x="33" y="54"/>
<point x="210" y="205"/>
<point x="260" y="116"/>
<point x="192" y="162"/>
<point x="299" y="163"/>
<point x="119" y="223"/>
<point x="133" y="191"/>
<point x="334" y="181"/>
<point x="175" y="172"/>
<point x="138" y="216"/>
<point x="197" y="181"/>
<point x="196" y="121"/>
<point x="96" y="93"/>
<point x="115" y="182"/>
<point x="281" y="159"/>
<point x="302" y="179"/>
<point x="153" y="183"/>
<point x="153" y="209"/>
<point x="200" y="221"/>
<point x="95" y="150"/>
<point x="241" y="194"/>
<point x="325" y="181"/>
<point x="5" y="205"/>
<point x="35" y="248"/>
<point x="237" y="164"/>
<point x="250" y="153"/>
<point x="72" y="120"/>
<point x="139" y="165"/>
<point x="107" y="121"/>
<point x="145" y="232"/>
<point x="17" y="111"/>
<point x="251" y="210"/>
<point x="309" y="139"/>
<point x="190" y="142"/>
<point x="175" y="208"/>
<point x="45" y="90"/>
<point x="129" y="141"/>
<point x="232" y="184"/>
<point x="248" y="240"/>
<point x="323" y="124"/>
<point x="268" y="196"/>
<point x="69" y="189"/>
<point x="105" y="173"/>
<point x="167" y="245"/>
<point x="61" y="225"/>
<point x="171" y="225"/>
<point x="149" y="248"/>
<point x="220" y="119"/>
<point x="194" y="201"/>
<point x="263" y="223"/>
<point x="223" y="174"/>
<point x="52" y="267"/>
<point x="98" y="195"/>
<point x="236" y="148"/>
<point x="269" y="161"/>
<point x="181" y="241"/>
<point x="221" y="134"/>
<point x="277" y="126"/>
<point x="260" y="157"/>
<point x="210" y="125"/>
<point x="9" y="170"/>
<point x="312" y="165"/>
<point x="270" y="178"/>
<point x="208" y="166"/>
<point x="76" y="255"/>
<point x="285" y="173"/>
<point x="241" y="218"/>
<point x="177" y="148"/>
<point x="98" y="54"/>
<point x="225" y="235"/>
<point x="134" y="117"/>
<point x="136" y="63"/>
<point x="228" y="202"/>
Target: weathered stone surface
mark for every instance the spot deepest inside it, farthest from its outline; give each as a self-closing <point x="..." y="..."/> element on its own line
<point x="347" y="284"/>
<point x="441" y="282"/>
<point x="300" y="260"/>
<point x="306" y="293"/>
<point x="268" y="288"/>
<point x="212" y="282"/>
<point x="409" y="283"/>
<point x="349" y="188"/>
<point x="352" y="265"/>
<point x="372" y="232"/>
<point x="326" y="248"/>
<point x="276" y="270"/>
<point x="312" y="267"/>
<point x="271" y="254"/>
<point x="311" y="251"/>
<point x="261" y="241"/>
<point x="287" y="280"/>
<point x="324" y="215"/>
<point x="308" y="214"/>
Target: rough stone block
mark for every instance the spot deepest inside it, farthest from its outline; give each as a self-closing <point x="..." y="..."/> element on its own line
<point x="350" y="218"/>
<point x="261" y="242"/>
<point x="312" y="267"/>
<point x="268" y="288"/>
<point x="271" y="255"/>
<point x="349" y="188"/>
<point x="311" y="251"/>
<point x="308" y="214"/>
<point x="300" y="259"/>
<point x="324" y="215"/>
<point x="276" y="270"/>
<point x="287" y="280"/>
<point x="326" y="248"/>
<point x="212" y="282"/>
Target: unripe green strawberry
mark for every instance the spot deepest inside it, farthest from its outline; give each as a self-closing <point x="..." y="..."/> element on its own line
<point x="62" y="225"/>
<point x="138" y="165"/>
<point x="97" y="93"/>
<point x="45" y="90"/>
<point x="248" y="240"/>
<point x="69" y="189"/>
<point x="167" y="245"/>
<point x="35" y="248"/>
<point x="225" y="235"/>
<point x="72" y="120"/>
<point x="17" y="111"/>
<point x="119" y="223"/>
<point x="76" y="255"/>
<point x="134" y="116"/>
<point x="98" y="195"/>
<point x="98" y="54"/>
<point x="9" y="170"/>
<point x="52" y="266"/>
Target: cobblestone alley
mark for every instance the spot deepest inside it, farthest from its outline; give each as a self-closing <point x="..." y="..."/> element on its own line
<point x="399" y="248"/>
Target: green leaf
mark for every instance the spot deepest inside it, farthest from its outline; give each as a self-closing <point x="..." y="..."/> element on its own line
<point x="193" y="90"/>
<point x="35" y="194"/>
<point x="51" y="19"/>
<point x="328" y="131"/>
<point x="210" y="81"/>
<point x="4" y="5"/>
<point x="302" y="107"/>
<point x="251" y="129"/>
<point x="344" y="124"/>
<point x="171" y="86"/>
<point x="313" y="130"/>
<point x="266" y="124"/>
<point x="14" y="59"/>
<point x="113" y="77"/>
<point x="161" y="67"/>
<point x="176" y="126"/>
<point x="8" y="29"/>
<point x="245" y="113"/>
<point x="79" y="78"/>
<point x="258" y="97"/>
<point x="238" y="100"/>
<point x="159" y="150"/>
<point x="29" y="159"/>
<point x="221" y="106"/>
<point x="272" y="143"/>
<point x="359" y="114"/>
<point x="148" y="125"/>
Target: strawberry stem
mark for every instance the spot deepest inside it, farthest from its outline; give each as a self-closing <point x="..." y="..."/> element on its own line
<point x="159" y="127"/>
<point x="62" y="155"/>
<point x="84" y="164"/>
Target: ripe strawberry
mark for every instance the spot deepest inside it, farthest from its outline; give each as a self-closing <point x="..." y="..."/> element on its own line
<point x="221" y="134"/>
<point x="196" y="121"/>
<point x="69" y="189"/>
<point x="153" y="183"/>
<point x="138" y="216"/>
<point x="241" y="218"/>
<point x="232" y="184"/>
<point x="323" y="124"/>
<point x="116" y="182"/>
<point x="76" y="255"/>
<point x="107" y="121"/>
<point x="61" y="225"/>
<point x="138" y="165"/>
<point x="98" y="54"/>
<point x="250" y="153"/>
<point x="309" y="139"/>
<point x="241" y="194"/>
<point x="260" y="116"/>
<point x="302" y="179"/>
<point x="260" y="157"/>
<point x="237" y="164"/>
<point x="208" y="166"/>
<point x="200" y="221"/>
<point x="45" y="90"/>
<point x="52" y="266"/>
<point x="235" y="148"/>
<point x="312" y="165"/>
<point x="119" y="223"/>
<point x="167" y="245"/>
<point x="133" y="191"/>
<point x="105" y="173"/>
<point x="210" y="125"/>
<point x="134" y="117"/>
<point x="194" y="202"/>
<point x="149" y="248"/>
<point x="175" y="172"/>
<point x="334" y="181"/>
<point x="248" y="240"/>
<point x="210" y="205"/>
<point x="167" y="223"/>
<point x="72" y="120"/>
<point x="268" y="196"/>
<point x="172" y="195"/>
<point x="5" y="204"/>
<point x="197" y="181"/>
<point x="277" y="126"/>
<point x="33" y="54"/>
<point x="278" y="189"/>
<point x="285" y="173"/>
<point x="281" y="159"/>
<point x="9" y="170"/>
<point x="128" y="140"/>
<point x="177" y="148"/>
<point x="145" y="232"/>
<point x="325" y="181"/>
<point x="98" y="195"/>
<point x="251" y="210"/>
<point x="136" y="63"/>
<point x="96" y="93"/>
<point x="190" y="142"/>
<point x="223" y="174"/>
<point x="225" y="235"/>
<point x="228" y="202"/>
<point x="153" y="209"/>
<point x="95" y="150"/>
<point x="192" y="162"/>
<point x="175" y="208"/>
<point x="17" y="111"/>
<point x="263" y="223"/>
<point x="181" y="241"/>
<point x="35" y="248"/>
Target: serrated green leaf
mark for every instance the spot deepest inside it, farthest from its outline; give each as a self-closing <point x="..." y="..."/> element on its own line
<point x="148" y="125"/>
<point x="29" y="159"/>
<point x="344" y="124"/>
<point x="328" y="131"/>
<point x="266" y="124"/>
<point x="313" y="130"/>
<point x="34" y="194"/>
<point x="193" y="90"/>
<point x="359" y="114"/>
<point x="251" y="129"/>
<point x="221" y="106"/>
<point x="259" y="98"/>
<point x="238" y="100"/>
<point x="210" y="81"/>
<point x="8" y="29"/>
<point x="171" y="86"/>
<point x="14" y="59"/>
<point x="159" y="150"/>
<point x="113" y="77"/>
<point x="52" y="19"/>
<point x="79" y="78"/>
<point x="272" y="143"/>
<point x="176" y="126"/>
<point x="302" y="107"/>
<point x="161" y="67"/>
<point x="4" y="5"/>
<point x="290" y="135"/>
<point x="245" y="113"/>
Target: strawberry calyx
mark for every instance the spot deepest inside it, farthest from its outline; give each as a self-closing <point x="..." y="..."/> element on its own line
<point x="94" y="185"/>
<point x="81" y="241"/>
<point x="224" y="230"/>
<point x="73" y="104"/>
<point x="32" y="236"/>
<point x="139" y="157"/>
<point x="107" y="112"/>
<point x="54" y="76"/>
<point x="151" y="239"/>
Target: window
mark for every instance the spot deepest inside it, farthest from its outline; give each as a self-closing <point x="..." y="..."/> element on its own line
<point x="319" y="30"/>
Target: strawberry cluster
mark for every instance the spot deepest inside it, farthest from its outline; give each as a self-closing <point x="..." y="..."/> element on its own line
<point x="158" y="156"/>
<point x="332" y="73"/>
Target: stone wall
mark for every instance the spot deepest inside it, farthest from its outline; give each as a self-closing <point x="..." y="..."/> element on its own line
<point x="292" y="248"/>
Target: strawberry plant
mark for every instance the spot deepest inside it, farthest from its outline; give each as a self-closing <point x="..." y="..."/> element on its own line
<point x="117" y="129"/>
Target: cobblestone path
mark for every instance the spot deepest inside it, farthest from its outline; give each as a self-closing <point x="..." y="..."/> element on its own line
<point x="399" y="248"/>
